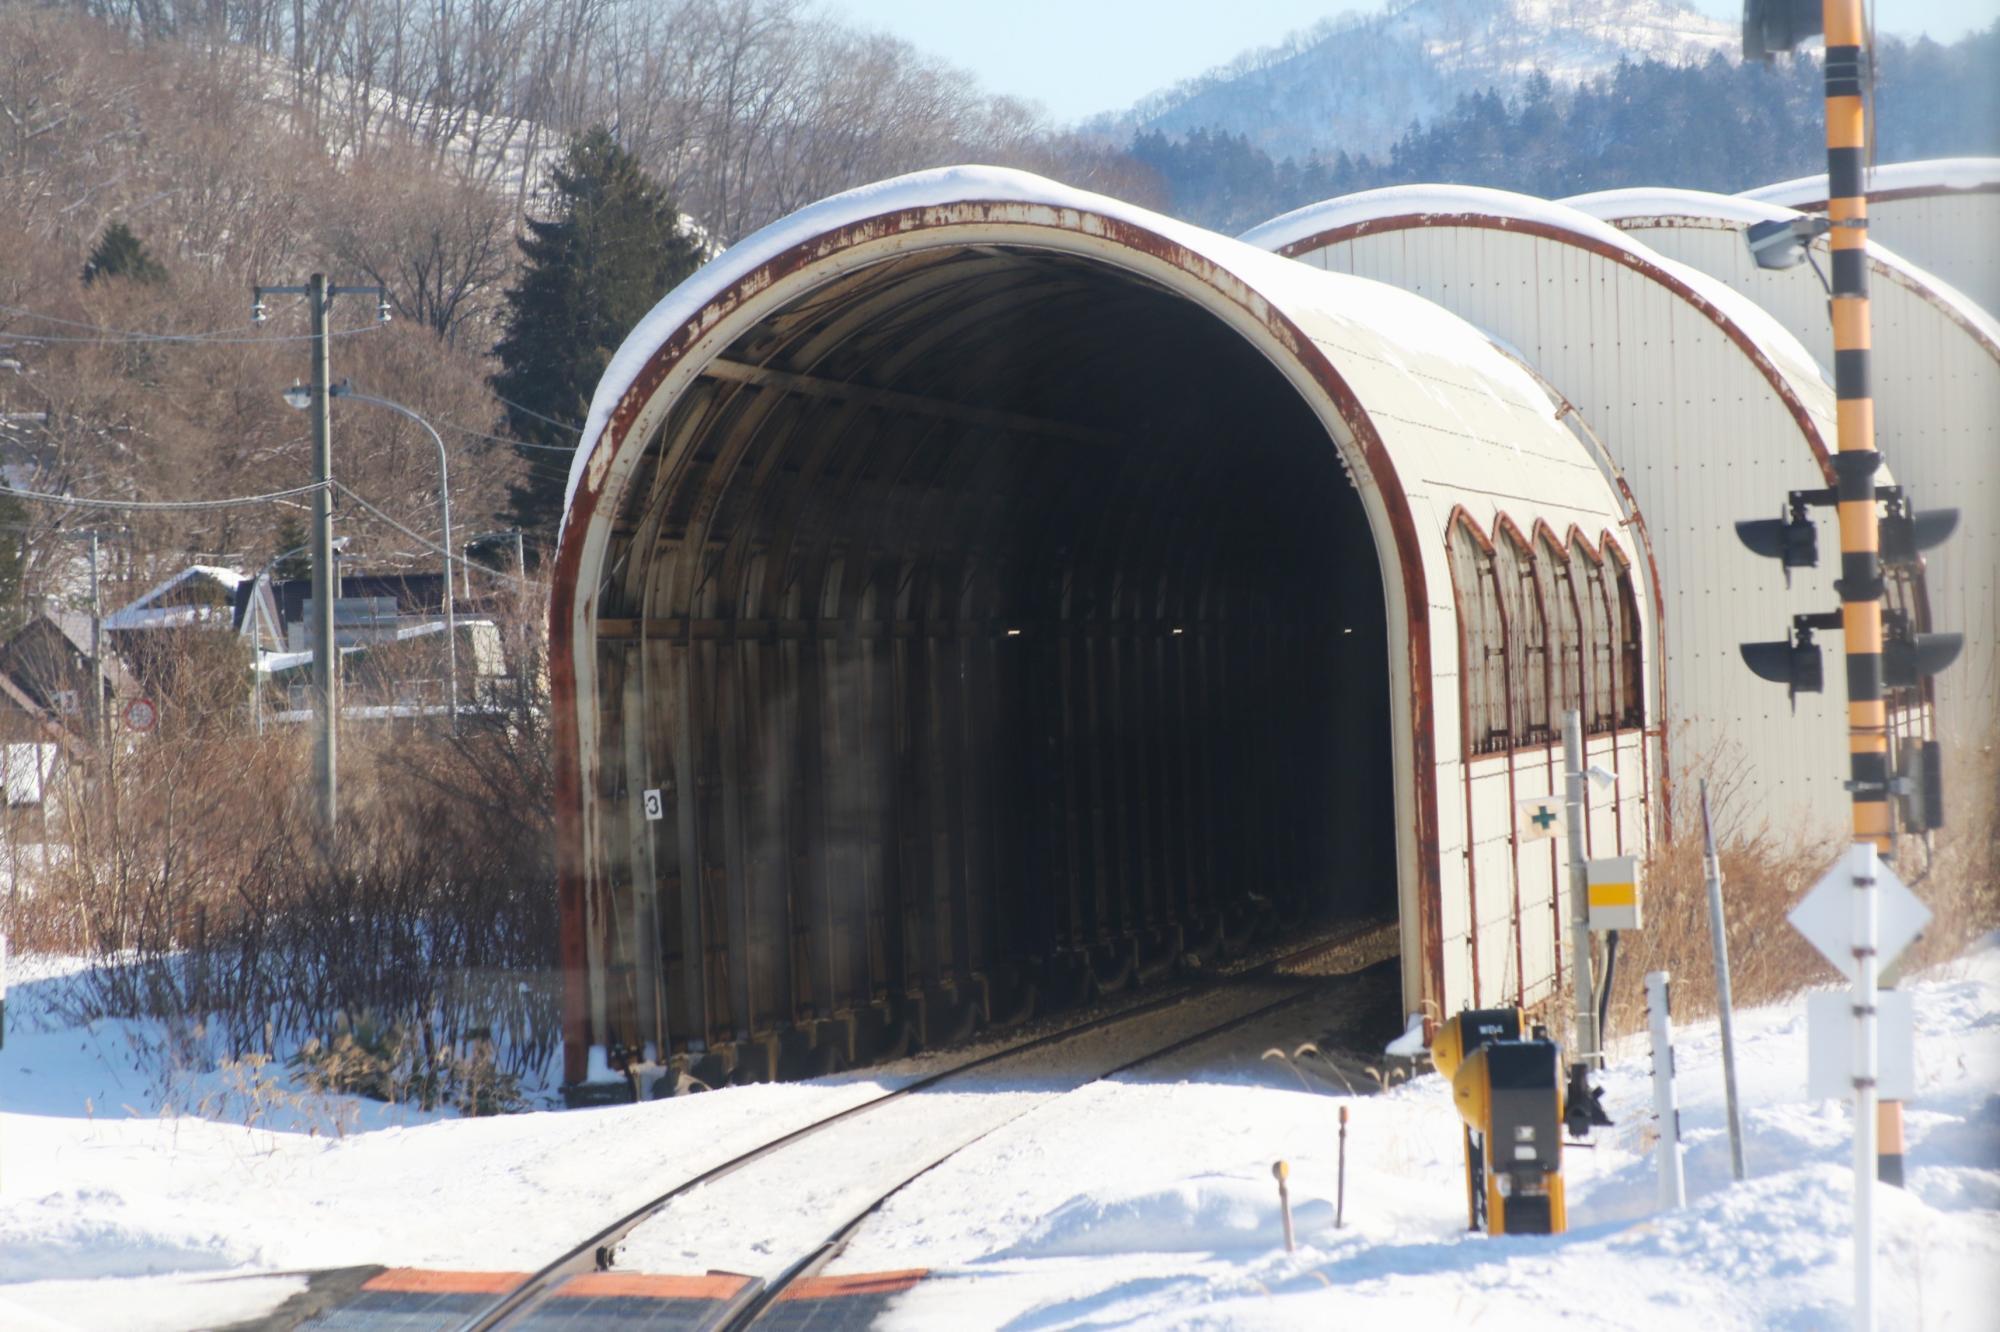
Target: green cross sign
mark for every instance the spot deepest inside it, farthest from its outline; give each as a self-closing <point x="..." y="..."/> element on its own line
<point x="1543" y="817"/>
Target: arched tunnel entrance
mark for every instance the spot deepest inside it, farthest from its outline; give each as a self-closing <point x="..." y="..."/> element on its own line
<point x="994" y="624"/>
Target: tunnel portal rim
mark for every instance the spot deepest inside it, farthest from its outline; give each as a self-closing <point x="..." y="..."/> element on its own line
<point x="610" y="461"/>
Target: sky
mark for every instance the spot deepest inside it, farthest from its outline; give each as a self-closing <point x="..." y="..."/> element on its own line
<point x="1079" y="57"/>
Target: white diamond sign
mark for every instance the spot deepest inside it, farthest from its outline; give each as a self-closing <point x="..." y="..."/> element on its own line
<point x="1826" y="914"/>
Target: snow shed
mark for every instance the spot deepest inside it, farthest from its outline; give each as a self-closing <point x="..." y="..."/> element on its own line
<point x="1709" y="410"/>
<point x="973" y="592"/>
<point x="1943" y="214"/>
<point x="1935" y="370"/>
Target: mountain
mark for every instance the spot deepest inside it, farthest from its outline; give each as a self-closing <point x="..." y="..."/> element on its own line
<point x="1357" y="82"/>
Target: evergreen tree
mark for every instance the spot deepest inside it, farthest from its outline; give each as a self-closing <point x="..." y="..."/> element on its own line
<point x="119" y="253"/>
<point x="13" y="556"/>
<point x="291" y="536"/>
<point x="613" y="245"/>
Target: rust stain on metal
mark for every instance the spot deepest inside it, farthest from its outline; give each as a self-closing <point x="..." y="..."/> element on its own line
<point x="572" y="785"/>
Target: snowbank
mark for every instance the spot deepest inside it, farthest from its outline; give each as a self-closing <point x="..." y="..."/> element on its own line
<point x="1145" y="1201"/>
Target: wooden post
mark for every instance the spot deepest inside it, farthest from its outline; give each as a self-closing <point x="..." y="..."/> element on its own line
<point x="1283" y="1173"/>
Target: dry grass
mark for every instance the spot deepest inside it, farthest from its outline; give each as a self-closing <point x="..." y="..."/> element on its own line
<point x="1764" y="874"/>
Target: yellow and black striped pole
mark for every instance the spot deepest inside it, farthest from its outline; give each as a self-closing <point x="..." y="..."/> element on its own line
<point x="1855" y="465"/>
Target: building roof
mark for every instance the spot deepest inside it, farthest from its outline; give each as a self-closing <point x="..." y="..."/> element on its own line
<point x="154" y="610"/>
<point x="1937" y="175"/>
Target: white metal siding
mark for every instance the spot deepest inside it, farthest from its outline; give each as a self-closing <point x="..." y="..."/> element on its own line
<point x="1937" y="420"/>
<point x="1703" y="439"/>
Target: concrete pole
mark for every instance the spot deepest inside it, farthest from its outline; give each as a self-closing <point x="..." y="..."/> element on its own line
<point x="1574" y="810"/>
<point x="98" y="717"/>
<point x="326" y="652"/>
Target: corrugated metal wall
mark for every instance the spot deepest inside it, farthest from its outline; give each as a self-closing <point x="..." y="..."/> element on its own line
<point x="1701" y="435"/>
<point x="1936" y="378"/>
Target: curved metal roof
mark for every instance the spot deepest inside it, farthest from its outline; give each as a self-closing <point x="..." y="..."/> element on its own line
<point x="893" y="293"/>
<point x="1937" y="175"/>
<point x="1644" y="209"/>
<point x="1936" y="381"/>
<point x="1792" y="369"/>
<point x="1711" y="408"/>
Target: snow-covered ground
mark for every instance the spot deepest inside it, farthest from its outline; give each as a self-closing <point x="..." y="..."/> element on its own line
<point x="1145" y="1201"/>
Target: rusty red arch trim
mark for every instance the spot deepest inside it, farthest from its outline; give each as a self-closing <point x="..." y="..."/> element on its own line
<point x="1876" y="264"/>
<point x="1562" y="236"/>
<point x="940" y="220"/>
<point x="1461" y="516"/>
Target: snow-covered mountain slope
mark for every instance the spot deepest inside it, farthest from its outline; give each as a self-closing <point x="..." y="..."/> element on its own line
<point x="1356" y="82"/>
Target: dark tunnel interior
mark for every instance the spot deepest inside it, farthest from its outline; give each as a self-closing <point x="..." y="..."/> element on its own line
<point x="997" y="626"/>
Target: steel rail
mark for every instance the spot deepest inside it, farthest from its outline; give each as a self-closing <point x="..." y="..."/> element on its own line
<point x="590" y="1255"/>
<point x="747" y="1307"/>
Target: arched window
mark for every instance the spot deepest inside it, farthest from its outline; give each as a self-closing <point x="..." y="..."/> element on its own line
<point x="1600" y="632"/>
<point x="1565" y="619"/>
<point x="1527" y="637"/>
<point x="1630" y="663"/>
<point x="1482" y="639"/>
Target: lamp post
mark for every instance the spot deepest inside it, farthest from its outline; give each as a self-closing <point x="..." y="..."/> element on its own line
<point x="299" y="395"/>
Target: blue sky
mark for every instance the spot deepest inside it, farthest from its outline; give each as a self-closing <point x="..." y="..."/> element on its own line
<point x="1078" y="57"/>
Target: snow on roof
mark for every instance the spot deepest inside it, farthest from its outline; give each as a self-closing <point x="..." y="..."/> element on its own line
<point x="1416" y="325"/>
<point x="1616" y="206"/>
<point x="272" y="663"/>
<point x="143" y="614"/>
<point x="1635" y="204"/>
<point x="1941" y="175"/>
<point x="1771" y="337"/>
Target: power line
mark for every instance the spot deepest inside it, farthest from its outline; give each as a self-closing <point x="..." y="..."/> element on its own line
<point x="426" y="542"/>
<point x="550" y="420"/>
<point x="237" y="501"/>
<point x="502" y="439"/>
<point x="118" y="336"/>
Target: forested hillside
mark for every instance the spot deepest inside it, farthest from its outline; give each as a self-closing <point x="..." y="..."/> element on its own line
<point x="1718" y="125"/>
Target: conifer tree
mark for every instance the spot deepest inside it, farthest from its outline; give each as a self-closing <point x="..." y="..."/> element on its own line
<point x="612" y="246"/>
<point x="119" y="253"/>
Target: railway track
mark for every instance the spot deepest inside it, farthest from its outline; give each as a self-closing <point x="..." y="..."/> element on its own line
<point x="1285" y="975"/>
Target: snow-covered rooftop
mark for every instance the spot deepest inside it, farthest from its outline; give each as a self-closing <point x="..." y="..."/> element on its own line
<point x="1411" y="322"/>
<point x="1506" y="206"/>
<point x="1940" y="174"/>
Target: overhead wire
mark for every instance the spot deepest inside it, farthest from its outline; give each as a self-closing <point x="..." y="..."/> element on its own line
<point x="426" y="542"/>
<point x="122" y="336"/>
<point x="550" y="420"/>
<point x="158" y="506"/>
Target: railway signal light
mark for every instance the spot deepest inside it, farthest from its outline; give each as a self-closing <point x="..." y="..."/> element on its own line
<point x="1908" y="658"/>
<point x="1509" y="1092"/>
<point x="1792" y="662"/>
<point x="1770" y="26"/>
<point x="1904" y="534"/>
<point x="1792" y="541"/>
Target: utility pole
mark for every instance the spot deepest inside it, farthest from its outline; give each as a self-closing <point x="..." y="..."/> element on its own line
<point x="326" y="652"/>
<point x="319" y="296"/>
<point x="1589" y="1050"/>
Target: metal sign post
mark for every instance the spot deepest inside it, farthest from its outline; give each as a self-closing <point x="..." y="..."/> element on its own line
<point x="1862" y="917"/>
<point x="1711" y="867"/>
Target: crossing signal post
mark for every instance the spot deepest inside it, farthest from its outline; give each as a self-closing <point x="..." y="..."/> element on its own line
<point x="1882" y="651"/>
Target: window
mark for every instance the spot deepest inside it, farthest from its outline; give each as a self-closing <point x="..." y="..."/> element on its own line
<point x="1630" y="662"/>
<point x="1482" y="640"/>
<point x="1600" y="630"/>
<point x="1559" y="601"/>
<point x="1527" y="637"/>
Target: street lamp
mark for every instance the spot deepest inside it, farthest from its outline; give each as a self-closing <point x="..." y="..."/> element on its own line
<point x="300" y="396"/>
